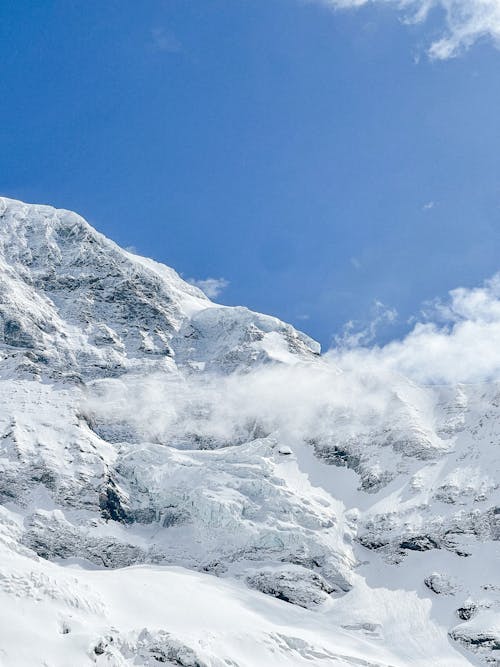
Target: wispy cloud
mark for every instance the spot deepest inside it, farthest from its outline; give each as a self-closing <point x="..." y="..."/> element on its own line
<point x="465" y="21"/>
<point x="356" y="334"/>
<point x="428" y="206"/>
<point x="165" y="40"/>
<point x="211" y="286"/>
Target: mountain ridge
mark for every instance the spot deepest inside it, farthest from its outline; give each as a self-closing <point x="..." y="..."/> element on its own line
<point x="149" y="435"/>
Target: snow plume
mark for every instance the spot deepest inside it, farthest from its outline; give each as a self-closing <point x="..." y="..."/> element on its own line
<point x="292" y="403"/>
<point x="349" y="387"/>
<point x="466" y="21"/>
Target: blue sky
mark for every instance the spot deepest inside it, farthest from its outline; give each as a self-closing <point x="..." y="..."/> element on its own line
<point x="317" y="160"/>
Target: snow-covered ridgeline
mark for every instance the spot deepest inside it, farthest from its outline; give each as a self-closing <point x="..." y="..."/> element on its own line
<point x="144" y="426"/>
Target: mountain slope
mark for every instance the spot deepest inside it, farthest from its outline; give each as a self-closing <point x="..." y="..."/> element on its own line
<point x="169" y="466"/>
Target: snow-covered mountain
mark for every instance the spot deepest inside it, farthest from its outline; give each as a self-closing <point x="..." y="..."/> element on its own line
<point x="193" y="484"/>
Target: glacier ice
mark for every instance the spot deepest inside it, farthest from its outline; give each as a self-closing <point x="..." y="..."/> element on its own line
<point x="194" y="484"/>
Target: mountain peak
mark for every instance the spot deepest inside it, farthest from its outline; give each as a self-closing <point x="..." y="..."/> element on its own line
<point x="142" y="424"/>
<point x="76" y="298"/>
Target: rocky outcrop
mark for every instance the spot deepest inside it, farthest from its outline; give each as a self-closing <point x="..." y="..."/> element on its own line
<point x="142" y="424"/>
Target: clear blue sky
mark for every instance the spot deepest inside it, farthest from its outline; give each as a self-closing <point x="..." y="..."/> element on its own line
<point x="302" y="154"/>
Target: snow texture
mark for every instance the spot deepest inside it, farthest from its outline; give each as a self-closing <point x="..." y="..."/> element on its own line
<point x="185" y="483"/>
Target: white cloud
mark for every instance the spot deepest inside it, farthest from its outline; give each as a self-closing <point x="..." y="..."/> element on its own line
<point x="428" y="206"/>
<point x="465" y="21"/>
<point x="458" y="340"/>
<point x="355" y="334"/>
<point x="211" y="286"/>
<point x="344" y="392"/>
<point x="298" y="401"/>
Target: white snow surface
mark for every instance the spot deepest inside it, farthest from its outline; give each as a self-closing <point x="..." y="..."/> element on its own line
<point x="185" y="483"/>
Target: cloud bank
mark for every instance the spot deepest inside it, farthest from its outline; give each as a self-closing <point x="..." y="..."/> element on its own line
<point x="458" y="340"/>
<point x="465" y="21"/>
<point x="347" y="393"/>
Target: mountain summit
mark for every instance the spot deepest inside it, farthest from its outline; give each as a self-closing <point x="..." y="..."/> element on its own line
<point x="85" y="306"/>
<point x="193" y="484"/>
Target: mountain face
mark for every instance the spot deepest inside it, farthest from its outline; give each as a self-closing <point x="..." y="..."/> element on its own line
<point x="192" y="484"/>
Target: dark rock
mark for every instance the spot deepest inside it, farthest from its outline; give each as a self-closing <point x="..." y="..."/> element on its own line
<point x="479" y="641"/>
<point x="143" y="515"/>
<point x="47" y="478"/>
<point x="467" y="611"/>
<point x="296" y="586"/>
<point x="112" y="506"/>
<point x="16" y="336"/>
<point x="372" y="543"/>
<point x="419" y="543"/>
<point x="99" y="648"/>
<point x="337" y="456"/>
<point x="174" y="516"/>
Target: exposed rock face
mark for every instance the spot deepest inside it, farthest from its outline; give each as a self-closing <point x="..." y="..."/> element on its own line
<point x="295" y="585"/>
<point x="82" y="305"/>
<point x="115" y="453"/>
